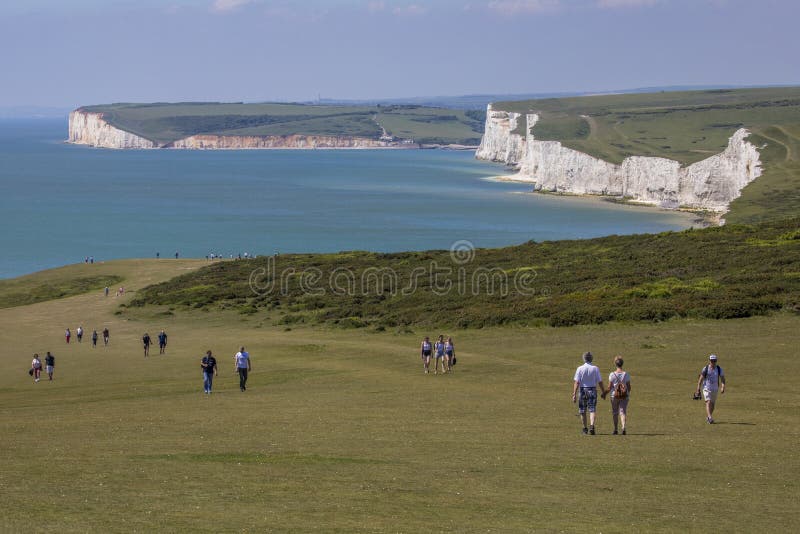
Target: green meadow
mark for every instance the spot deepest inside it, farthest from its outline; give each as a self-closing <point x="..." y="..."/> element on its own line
<point x="340" y="430"/>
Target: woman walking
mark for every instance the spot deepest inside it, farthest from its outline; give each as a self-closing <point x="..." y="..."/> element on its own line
<point x="619" y="383"/>
<point x="67" y="335"/>
<point x="36" y="367"/>
<point x="438" y="348"/>
<point x="425" y="353"/>
<point x="450" y="352"/>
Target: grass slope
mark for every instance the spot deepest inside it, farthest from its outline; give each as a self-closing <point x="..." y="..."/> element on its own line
<point x="164" y="123"/>
<point x="341" y="432"/>
<point x="723" y="272"/>
<point x="686" y="126"/>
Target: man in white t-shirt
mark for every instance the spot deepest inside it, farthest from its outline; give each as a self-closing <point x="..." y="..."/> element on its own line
<point x="585" y="382"/>
<point x="712" y="380"/>
<point x="242" y="367"/>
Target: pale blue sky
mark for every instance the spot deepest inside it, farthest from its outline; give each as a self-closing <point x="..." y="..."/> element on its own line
<point x="69" y="53"/>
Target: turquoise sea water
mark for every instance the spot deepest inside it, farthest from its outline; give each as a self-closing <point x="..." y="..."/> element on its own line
<point x="61" y="203"/>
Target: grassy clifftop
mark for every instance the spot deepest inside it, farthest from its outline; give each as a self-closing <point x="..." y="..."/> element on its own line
<point x="165" y="122"/>
<point x="685" y="126"/>
<point x="725" y="272"/>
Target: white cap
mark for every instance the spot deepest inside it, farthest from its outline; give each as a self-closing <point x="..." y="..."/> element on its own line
<point x="713" y="357"/>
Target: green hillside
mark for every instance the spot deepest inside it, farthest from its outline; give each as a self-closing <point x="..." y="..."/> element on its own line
<point x="165" y="123"/>
<point x="721" y="272"/>
<point x="686" y="126"/>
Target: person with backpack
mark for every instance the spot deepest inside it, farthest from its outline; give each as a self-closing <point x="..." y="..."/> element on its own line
<point x="587" y="377"/>
<point x="712" y="380"/>
<point x="619" y="383"/>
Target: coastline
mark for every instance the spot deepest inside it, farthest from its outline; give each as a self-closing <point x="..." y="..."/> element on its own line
<point x="699" y="218"/>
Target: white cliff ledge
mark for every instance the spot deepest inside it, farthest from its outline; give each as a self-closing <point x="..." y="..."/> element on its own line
<point x="710" y="184"/>
<point x="88" y="128"/>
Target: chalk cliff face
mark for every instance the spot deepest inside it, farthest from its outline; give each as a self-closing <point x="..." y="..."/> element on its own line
<point x="709" y="184"/>
<point x="281" y="141"/>
<point x="91" y="129"/>
<point x="86" y="128"/>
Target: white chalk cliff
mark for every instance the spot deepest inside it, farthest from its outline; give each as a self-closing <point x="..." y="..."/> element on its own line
<point x="710" y="184"/>
<point x="88" y="128"/>
<point x="91" y="129"/>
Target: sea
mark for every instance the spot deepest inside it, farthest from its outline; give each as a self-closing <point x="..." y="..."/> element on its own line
<point x="62" y="203"/>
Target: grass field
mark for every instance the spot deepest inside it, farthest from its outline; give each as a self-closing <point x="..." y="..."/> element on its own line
<point x="165" y="123"/>
<point x="686" y="126"/>
<point x="340" y="430"/>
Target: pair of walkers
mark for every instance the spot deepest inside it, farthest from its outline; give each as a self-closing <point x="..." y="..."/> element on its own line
<point x="36" y="366"/>
<point x="162" y="343"/>
<point x="443" y="352"/>
<point x="584" y="392"/>
<point x="209" y="365"/>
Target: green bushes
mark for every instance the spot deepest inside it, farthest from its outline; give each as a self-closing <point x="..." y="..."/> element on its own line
<point x="718" y="273"/>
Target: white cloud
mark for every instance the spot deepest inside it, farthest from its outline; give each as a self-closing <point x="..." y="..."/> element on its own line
<point x="513" y="7"/>
<point x="225" y="6"/>
<point x="376" y="6"/>
<point x="412" y="9"/>
<point x="613" y="4"/>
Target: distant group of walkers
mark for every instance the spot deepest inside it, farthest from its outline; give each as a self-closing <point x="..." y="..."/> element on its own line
<point x="443" y="352"/>
<point x="587" y="378"/>
<point x="79" y="336"/>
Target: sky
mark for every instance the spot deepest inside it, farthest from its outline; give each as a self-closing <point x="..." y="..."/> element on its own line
<point x="63" y="53"/>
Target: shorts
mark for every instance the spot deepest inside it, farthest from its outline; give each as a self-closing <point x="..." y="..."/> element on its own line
<point x="619" y="406"/>
<point x="587" y="399"/>
<point x="438" y="355"/>
<point x="426" y="354"/>
<point x="710" y="396"/>
<point x="49" y="369"/>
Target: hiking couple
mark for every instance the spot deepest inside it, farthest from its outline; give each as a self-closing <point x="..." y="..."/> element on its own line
<point x="584" y="392"/>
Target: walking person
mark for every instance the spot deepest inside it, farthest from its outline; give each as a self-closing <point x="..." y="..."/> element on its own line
<point x="619" y="384"/>
<point x="94" y="338"/>
<point x="67" y="335"/>
<point x="425" y="353"/>
<point x="242" y="367"/>
<point x="50" y="363"/>
<point x="146" y="341"/>
<point x="79" y="334"/>
<point x="438" y="354"/>
<point x="105" y="336"/>
<point x="106" y="291"/>
<point x="162" y="342"/>
<point x="36" y="367"/>
<point x="712" y="380"/>
<point x="587" y="378"/>
<point x="450" y="353"/>
<point x="209" y="365"/>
